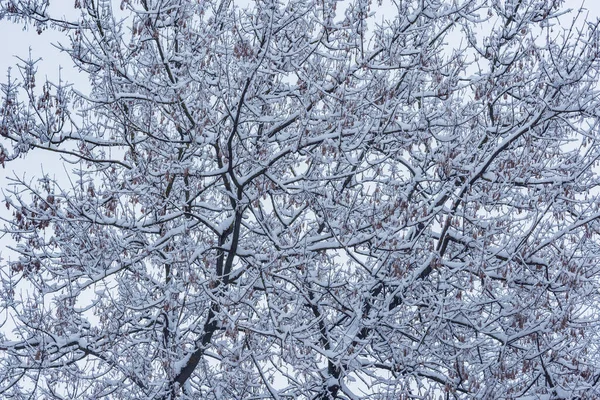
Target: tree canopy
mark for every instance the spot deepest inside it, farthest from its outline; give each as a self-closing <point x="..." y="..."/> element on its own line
<point x="305" y="199"/>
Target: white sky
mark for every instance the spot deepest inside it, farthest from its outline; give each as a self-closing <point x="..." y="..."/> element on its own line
<point x="18" y="42"/>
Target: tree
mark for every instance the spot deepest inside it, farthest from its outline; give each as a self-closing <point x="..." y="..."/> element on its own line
<point x="293" y="201"/>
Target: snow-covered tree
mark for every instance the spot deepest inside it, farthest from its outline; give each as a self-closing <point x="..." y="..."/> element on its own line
<point x="291" y="200"/>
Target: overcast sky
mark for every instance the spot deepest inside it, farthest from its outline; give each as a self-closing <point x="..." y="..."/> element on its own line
<point x="18" y="42"/>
